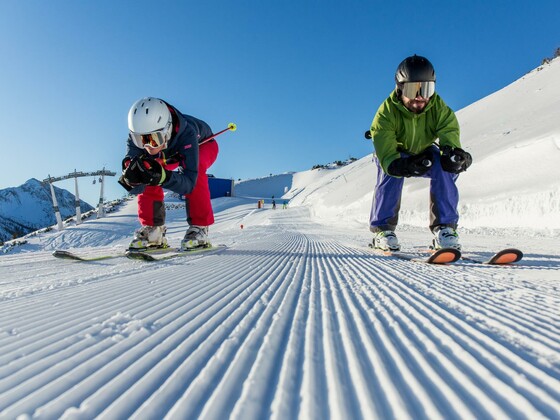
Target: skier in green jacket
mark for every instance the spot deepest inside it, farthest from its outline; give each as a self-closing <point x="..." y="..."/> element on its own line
<point x="415" y="134"/>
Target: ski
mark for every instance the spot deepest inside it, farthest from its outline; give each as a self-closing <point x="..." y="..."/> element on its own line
<point x="503" y="257"/>
<point x="441" y="256"/>
<point x="152" y="257"/>
<point x="69" y="255"/>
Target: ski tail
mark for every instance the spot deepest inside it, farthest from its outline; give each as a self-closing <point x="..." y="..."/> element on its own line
<point x="66" y="255"/>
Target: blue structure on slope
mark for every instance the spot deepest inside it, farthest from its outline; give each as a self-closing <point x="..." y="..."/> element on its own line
<point x="220" y="187"/>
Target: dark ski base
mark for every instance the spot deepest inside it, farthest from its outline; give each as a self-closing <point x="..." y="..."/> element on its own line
<point x="503" y="257"/>
<point x="151" y="257"/>
<point x="152" y="254"/>
<point x="441" y="256"/>
<point x="67" y="255"/>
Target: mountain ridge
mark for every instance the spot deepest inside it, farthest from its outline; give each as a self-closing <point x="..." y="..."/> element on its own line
<point x="29" y="207"/>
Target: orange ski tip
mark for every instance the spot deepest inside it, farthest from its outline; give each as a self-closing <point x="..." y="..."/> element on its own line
<point x="507" y="259"/>
<point x="444" y="258"/>
<point x="507" y="256"/>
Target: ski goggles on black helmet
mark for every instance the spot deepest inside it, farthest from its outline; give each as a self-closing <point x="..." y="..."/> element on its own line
<point x="412" y="90"/>
<point x="153" y="140"/>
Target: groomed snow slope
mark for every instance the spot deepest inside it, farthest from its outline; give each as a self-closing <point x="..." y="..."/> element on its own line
<point x="293" y="320"/>
<point x="297" y="318"/>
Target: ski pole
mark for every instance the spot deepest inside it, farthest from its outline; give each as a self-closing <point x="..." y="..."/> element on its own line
<point x="231" y="126"/>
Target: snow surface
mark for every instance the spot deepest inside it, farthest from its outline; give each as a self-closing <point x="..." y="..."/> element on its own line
<point x="297" y="318"/>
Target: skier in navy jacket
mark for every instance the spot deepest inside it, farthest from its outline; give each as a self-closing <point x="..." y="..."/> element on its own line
<point x="162" y="139"/>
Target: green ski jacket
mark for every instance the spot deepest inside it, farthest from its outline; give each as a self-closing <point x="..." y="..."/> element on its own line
<point x="395" y="129"/>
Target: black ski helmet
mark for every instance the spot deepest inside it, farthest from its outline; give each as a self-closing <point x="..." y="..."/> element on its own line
<point x="415" y="69"/>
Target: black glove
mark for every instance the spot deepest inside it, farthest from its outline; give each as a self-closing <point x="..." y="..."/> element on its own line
<point x="126" y="161"/>
<point x="143" y="170"/>
<point x="416" y="165"/>
<point x="455" y="160"/>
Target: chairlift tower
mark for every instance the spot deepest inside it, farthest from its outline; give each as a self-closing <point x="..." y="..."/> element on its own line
<point x="76" y="175"/>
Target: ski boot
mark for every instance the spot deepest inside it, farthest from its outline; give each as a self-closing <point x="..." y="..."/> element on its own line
<point x="386" y="241"/>
<point x="149" y="237"/>
<point x="445" y="237"/>
<point x="196" y="237"/>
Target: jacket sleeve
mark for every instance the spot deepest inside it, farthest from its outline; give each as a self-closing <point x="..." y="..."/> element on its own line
<point x="184" y="179"/>
<point x="384" y="135"/>
<point x="447" y="128"/>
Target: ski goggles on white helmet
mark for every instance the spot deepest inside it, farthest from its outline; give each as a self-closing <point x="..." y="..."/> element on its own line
<point x="412" y="90"/>
<point x="153" y="140"/>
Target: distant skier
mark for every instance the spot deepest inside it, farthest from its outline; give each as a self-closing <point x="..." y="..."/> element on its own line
<point x="404" y="132"/>
<point x="273" y="204"/>
<point x="162" y="139"/>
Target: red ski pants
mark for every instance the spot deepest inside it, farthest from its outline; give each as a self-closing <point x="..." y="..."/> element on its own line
<point x="151" y="209"/>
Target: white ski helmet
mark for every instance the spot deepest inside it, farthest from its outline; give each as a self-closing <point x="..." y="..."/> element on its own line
<point x="150" y="123"/>
<point x="148" y="115"/>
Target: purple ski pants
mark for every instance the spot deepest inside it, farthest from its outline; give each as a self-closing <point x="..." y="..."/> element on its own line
<point x="444" y="197"/>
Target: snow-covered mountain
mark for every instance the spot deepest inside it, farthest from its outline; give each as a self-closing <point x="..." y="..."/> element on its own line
<point x="29" y="207"/>
<point x="297" y="318"/>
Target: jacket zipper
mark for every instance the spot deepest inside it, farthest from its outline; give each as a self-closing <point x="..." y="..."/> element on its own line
<point x="414" y="118"/>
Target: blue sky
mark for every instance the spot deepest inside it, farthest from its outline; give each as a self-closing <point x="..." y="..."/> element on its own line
<point x="301" y="79"/>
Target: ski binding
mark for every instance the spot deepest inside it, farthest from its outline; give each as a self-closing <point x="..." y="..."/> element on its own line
<point x="440" y="256"/>
<point x="150" y="257"/>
